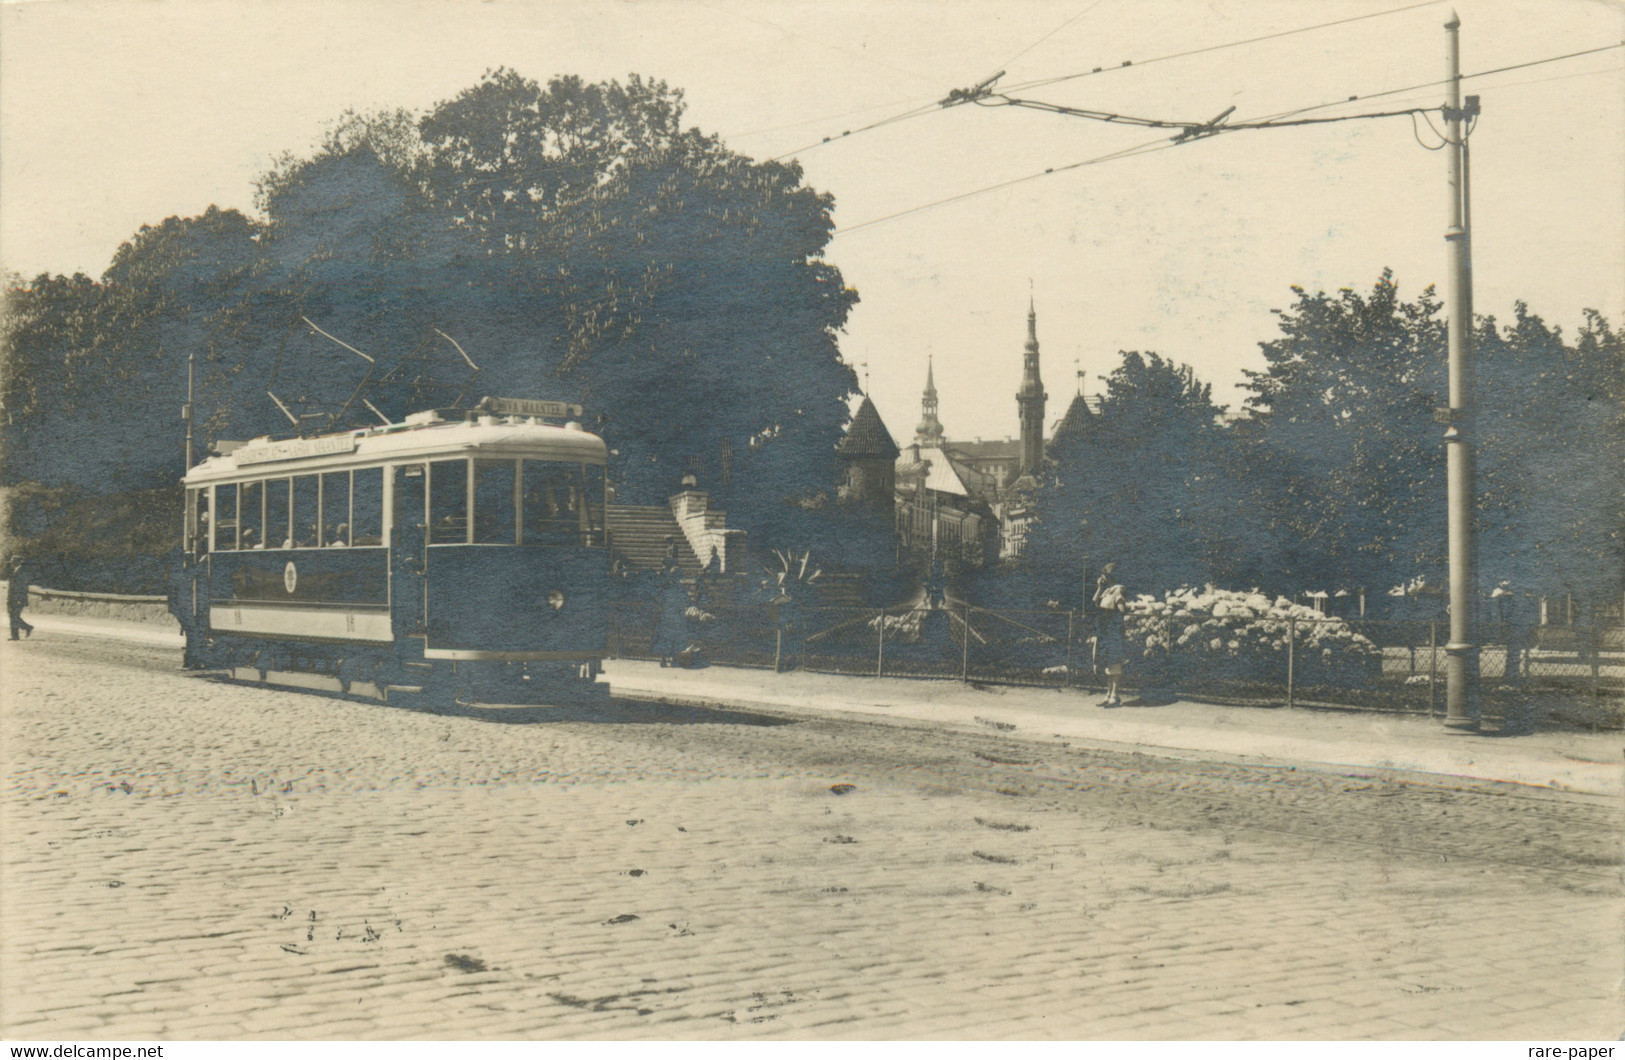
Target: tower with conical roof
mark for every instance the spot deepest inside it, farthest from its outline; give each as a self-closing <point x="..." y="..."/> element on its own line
<point x="1030" y="398"/>
<point x="869" y="456"/>
<point x="928" y="435"/>
<point x="1077" y="418"/>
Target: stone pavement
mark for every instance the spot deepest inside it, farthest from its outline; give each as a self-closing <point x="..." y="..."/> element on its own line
<point x="1565" y="761"/>
<point x="185" y="858"/>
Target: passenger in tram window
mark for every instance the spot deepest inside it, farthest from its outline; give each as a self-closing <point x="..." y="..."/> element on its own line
<point x="367" y="527"/>
<point x="248" y="539"/>
<point x="342" y="533"/>
<point x="305" y="498"/>
<point x="545" y="520"/>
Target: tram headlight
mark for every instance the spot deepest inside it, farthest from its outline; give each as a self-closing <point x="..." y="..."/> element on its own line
<point x="555" y="599"/>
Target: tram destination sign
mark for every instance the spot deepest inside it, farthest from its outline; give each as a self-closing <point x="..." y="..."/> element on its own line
<point x="553" y="410"/>
<point x="294" y="448"/>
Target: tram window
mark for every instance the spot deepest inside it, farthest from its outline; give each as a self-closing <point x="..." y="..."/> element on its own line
<point x="494" y="520"/>
<point x="367" y="507"/>
<point x="551" y="498"/>
<point x="278" y="532"/>
<point x="197" y="521"/>
<point x="306" y="512"/>
<point x="594" y="476"/>
<point x="251" y="513"/>
<point x="448" y="502"/>
<point x="335" y="509"/>
<point x="225" y="517"/>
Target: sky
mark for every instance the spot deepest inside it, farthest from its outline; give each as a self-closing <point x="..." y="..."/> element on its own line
<point x="119" y="113"/>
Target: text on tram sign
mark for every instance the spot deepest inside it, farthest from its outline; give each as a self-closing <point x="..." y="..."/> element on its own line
<point x="556" y="410"/>
<point x="296" y="447"/>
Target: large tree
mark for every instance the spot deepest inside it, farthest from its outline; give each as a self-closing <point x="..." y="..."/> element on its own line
<point x="583" y="244"/>
<point x="1142" y="483"/>
<point x="1346" y="460"/>
<point x="1551" y="467"/>
<point x="1347" y="467"/>
<point x="575" y="239"/>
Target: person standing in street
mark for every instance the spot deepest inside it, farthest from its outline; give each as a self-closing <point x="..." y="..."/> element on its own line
<point x="17" y="597"/>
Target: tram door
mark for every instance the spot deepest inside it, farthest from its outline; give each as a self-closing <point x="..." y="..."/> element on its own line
<point x="408" y="559"/>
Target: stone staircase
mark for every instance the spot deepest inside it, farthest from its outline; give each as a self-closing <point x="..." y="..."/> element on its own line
<point x="638" y="533"/>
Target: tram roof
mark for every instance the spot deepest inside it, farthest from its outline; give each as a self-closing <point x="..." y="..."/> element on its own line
<point x="489" y="436"/>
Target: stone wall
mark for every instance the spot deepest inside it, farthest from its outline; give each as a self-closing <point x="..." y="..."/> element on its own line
<point x="148" y="609"/>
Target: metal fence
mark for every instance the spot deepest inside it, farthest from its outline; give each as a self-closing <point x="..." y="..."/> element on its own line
<point x="1388" y="665"/>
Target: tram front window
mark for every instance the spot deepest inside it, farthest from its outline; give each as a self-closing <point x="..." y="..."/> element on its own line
<point x="556" y="506"/>
<point x="225" y="521"/>
<point x="251" y="506"/>
<point x="594" y="491"/>
<point x="448" y="502"/>
<point x="494" y="519"/>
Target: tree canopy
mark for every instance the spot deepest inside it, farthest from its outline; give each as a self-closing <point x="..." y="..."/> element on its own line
<point x="575" y="239"/>
<point x="1334" y="478"/>
<point x="1140" y="483"/>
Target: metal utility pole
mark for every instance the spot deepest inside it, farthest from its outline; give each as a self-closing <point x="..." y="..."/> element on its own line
<point x="191" y="362"/>
<point x="1461" y="653"/>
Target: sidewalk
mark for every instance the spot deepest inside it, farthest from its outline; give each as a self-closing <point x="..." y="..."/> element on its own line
<point x="108" y="628"/>
<point x="1588" y="763"/>
<point x="1565" y="761"/>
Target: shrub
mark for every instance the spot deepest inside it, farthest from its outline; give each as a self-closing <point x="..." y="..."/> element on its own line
<point x="1220" y="633"/>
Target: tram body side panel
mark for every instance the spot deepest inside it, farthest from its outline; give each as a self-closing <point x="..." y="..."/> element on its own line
<point x="339" y="594"/>
<point x="492" y="602"/>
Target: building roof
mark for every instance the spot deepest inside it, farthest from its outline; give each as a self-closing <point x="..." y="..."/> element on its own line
<point x="943" y="473"/>
<point x="1078" y="415"/>
<point x="867" y="436"/>
<point x="997" y="449"/>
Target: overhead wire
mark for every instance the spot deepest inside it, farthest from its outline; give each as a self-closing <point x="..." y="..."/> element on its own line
<point x="915" y="112"/>
<point x="925" y="109"/>
<point x="1050" y="34"/>
<point x="1042" y="82"/>
<point x="1443" y="81"/>
<point x="1149" y="147"/>
<point x="821" y="118"/>
<point x="1281" y="120"/>
<point x="1416" y="132"/>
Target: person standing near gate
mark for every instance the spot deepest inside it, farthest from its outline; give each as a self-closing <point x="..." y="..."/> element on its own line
<point x="671" y="630"/>
<point x="17" y="597"/>
<point x="1111" y="647"/>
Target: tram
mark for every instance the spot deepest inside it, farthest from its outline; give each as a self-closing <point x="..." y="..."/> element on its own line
<point x="458" y="554"/>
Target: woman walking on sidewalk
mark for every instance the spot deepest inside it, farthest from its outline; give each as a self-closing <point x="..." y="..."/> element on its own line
<point x="17" y="597"/>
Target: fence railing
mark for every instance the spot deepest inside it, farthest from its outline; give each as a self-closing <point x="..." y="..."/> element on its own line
<point x="1394" y="665"/>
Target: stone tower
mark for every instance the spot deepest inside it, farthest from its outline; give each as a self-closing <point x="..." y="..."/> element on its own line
<point x="1030" y="398"/>
<point x="869" y="458"/>
<point x="928" y="435"/>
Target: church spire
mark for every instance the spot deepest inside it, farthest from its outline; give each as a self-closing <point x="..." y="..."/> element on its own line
<point x="929" y="432"/>
<point x="1030" y="398"/>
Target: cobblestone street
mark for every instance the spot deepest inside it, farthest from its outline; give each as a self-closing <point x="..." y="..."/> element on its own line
<point x="186" y="858"/>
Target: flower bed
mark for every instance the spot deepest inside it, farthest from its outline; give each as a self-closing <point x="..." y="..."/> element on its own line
<point x="1224" y="634"/>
